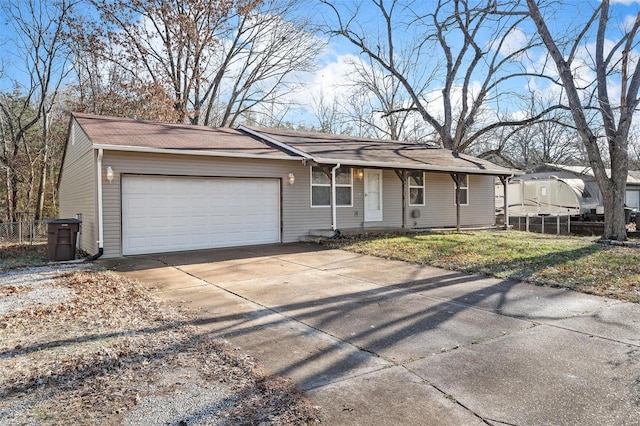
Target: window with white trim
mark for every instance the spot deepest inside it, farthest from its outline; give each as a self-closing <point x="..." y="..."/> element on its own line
<point x="464" y="190"/>
<point x="416" y="188"/>
<point x="321" y="187"/>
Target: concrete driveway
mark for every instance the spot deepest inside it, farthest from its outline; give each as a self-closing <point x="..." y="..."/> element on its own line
<point x="375" y="341"/>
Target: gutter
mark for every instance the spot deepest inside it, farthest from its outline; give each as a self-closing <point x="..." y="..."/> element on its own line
<point x="100" y="218"/>
<point x="419" y="166"/>
<point x="129" y="148"/>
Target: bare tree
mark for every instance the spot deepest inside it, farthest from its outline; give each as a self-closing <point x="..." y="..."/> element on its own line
<point x="327" y="112"/>
<point x="551" y="140"/>
<point x="40" y="30"/>
<point x="161" y="44"/>
<point x="213" y="60"/>
<point x="267" y="52"/>
<point x="455" y="59"/>
<point x="379" y="105"/>
<point x="105" y="88"/>
<point x="614" y="62"/>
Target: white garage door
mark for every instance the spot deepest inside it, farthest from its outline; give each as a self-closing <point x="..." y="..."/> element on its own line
<point x="161" y="214"/>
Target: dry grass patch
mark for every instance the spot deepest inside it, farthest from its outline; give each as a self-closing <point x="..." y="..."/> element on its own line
<point x="573" y="262"/>
<point x="12" y="256"/>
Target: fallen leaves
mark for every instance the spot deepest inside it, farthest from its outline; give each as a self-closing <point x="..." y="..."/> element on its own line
<point x="10" y="290"/>
<point x="99" y="354"/>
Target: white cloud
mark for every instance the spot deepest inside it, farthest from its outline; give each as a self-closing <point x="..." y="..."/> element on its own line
<point x="512" y="42"/>
<point x="629" y="21"/>
<point x="331" y="82"/>
<point x="335" y="74"/>
<point x="625" y="2"/>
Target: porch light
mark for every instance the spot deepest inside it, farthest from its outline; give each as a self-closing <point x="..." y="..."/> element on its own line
<point x="109" y="174"/>
<point x="359" y="174"/>
<point x="291" y="179"/>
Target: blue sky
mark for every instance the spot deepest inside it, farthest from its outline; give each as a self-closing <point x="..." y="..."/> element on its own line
<point x="334" y="66"/>
<point x="335" y="70"/>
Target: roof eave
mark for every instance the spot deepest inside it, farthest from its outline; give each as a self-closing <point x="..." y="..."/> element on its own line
<point x="422" y="166"/>
<point x="207" y="153"/>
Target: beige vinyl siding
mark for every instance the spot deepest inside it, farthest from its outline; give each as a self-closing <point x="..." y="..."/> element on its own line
<point x="392" y="199"/>
<point x="482" y="207"/>
<point x="297" y="215"/>
<point x="353" y="217"/>
<point x="78" y="186"/>
<point x="440" y="208"/>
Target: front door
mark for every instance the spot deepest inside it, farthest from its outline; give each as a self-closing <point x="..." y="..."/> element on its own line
<point x="373" y="195"/>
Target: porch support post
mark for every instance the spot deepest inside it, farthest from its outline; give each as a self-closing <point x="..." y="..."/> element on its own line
<point x="505" y="182"/>
<point x="457" y="177"/>
<point x="403" y="175"/>
<point x="334" y="215"/>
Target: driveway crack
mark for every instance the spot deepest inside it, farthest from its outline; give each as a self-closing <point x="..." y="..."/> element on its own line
<point x="278" y="312"/>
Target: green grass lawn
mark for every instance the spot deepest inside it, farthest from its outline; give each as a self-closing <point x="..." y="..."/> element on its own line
<point x="573" y="262"/>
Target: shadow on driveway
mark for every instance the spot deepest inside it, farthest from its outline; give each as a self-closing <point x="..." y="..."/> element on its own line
<point x="472" y="348"/>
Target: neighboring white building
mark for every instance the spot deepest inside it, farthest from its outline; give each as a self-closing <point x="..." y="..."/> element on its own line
<point x="554" y="189"/>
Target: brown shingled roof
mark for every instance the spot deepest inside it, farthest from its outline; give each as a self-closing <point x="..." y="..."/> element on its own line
<point x="117" y="132"/>
<point x="261" y="142"/>
<point x="349" y="150"/>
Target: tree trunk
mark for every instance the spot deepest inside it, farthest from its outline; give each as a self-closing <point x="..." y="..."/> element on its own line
<point x="613" y="194"/>
<point x="614" y="216"/>
<point x="7" y="195"/>
<point x="42" y="185"/>
<point x="13" y="198"/>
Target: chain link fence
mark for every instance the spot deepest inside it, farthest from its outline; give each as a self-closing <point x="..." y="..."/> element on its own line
<point x="27" y="232"/>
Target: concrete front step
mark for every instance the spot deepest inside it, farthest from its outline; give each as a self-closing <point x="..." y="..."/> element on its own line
<point x="310" y="239"/>
<point x="325" y="233"/>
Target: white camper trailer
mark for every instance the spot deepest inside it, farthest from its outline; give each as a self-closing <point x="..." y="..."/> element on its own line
<point x="549" y="197"/>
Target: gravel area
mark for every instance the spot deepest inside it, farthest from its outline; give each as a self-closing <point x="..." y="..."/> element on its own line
<point x="191" y="403"/>
<point x="84" y="346"/>
<point x="31" y="287"/>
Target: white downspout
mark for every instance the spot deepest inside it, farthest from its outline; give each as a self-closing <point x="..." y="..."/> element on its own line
<point x="100" y="220"/>
<point x="334" y="219"/>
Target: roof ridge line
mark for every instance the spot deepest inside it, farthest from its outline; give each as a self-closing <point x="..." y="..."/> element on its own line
<point x="276" y="142"/>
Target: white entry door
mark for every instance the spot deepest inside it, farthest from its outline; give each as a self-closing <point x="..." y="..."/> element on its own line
<point x="163" y="213"/>
<point x="373" y="195"/>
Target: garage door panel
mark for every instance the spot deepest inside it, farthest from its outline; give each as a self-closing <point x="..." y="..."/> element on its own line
<point x="200" y="240"/>
<point x="137" y="222"/>
<point x="153" y="202"/>
<point x="137" y="242"/>
<point x="156" y="221"/>
<point x="199" y="220"/>
<point x="161" y="214"/>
